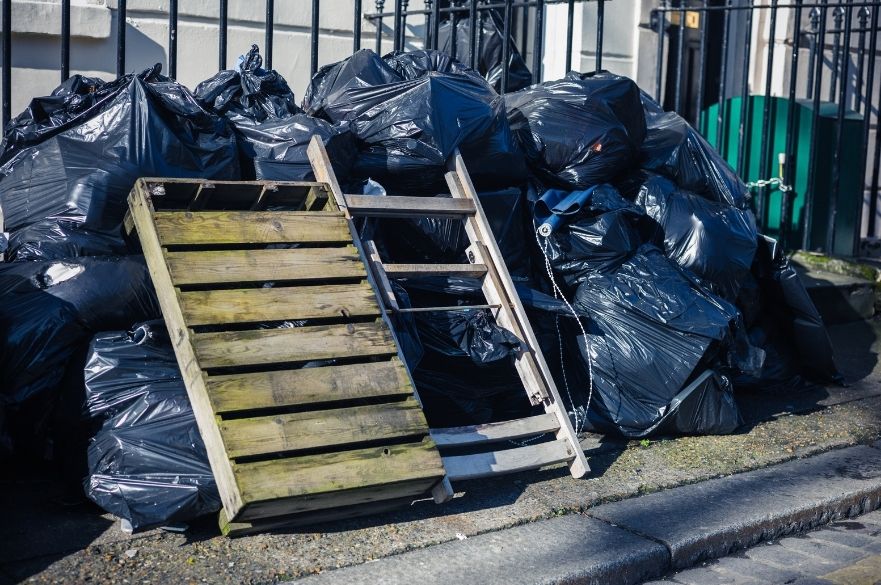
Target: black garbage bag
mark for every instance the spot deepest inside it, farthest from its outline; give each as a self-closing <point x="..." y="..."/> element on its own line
<point x="602" y="234"/>
<point x="491" y="47"/>
<point x="329" y="85"/>
<point x="579" y="131"/>
<point x="467" y="333"/>
<point x="786" y="324"/>
<point x="672" y="147"/>
<point x="76" y="156"/>
<point x="248" y="93"/>
<point x="714" y="240"/>
<point x="652" y="330"/>
<point x="466" y="374"/>
<point x="410" y="111"/>
<point x="50" y="312"/>
<point x="280" y="147"/>
<point x="56" y="239"/>
<point x="147" y="463"/>
<point x="272" y="131"/>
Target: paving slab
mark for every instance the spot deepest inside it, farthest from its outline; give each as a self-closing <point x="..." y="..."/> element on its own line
<point x="569" y="549"/>
<point x="712" y="518"/>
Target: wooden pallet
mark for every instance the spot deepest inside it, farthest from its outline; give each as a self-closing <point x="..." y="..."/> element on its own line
<point x="231" y="262"/>
<point x="472" y="452"/>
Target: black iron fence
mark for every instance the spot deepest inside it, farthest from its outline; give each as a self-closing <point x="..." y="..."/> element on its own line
<point x="805" y="87"/>
<point x="828" y="132"/>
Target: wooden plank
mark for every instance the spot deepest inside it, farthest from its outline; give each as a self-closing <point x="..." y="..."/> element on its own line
<point x="253" y="305"/>
<point x="238" y="392"/>
<point x="312" y="518"/>
<point x="417" y="270"/>
<point x="186" y="228"/>
<point x="270" y="346"/>
<point x="479" y="465"/>
<point x="322" y="428"/>
<point x="231" y="266"/>
<point x="331" y="473"/>
<point x="495" y="432"/>
<point x="412" y="489"/>
<point x="221" y="467"/>
<point x="448" y="308"/>
<point x="397" y="206"/>
<point x="385" y="291"/>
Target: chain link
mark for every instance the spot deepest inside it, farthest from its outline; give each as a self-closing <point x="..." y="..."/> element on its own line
<point x="776" y="181"/>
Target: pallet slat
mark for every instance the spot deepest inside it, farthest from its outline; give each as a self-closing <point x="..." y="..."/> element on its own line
<point x="322" y="428"/>
<point x="495" y="432"/>
<point x="398" y="206"/>
<point x="462" y="467"/>
<point x="232" y="266"/>
<point x="306" y="481"/>
<point x="254" y="305"/>
<point x="271" y="346"/>
<point x="184" y="228"/>
<point x="260" y="390"/>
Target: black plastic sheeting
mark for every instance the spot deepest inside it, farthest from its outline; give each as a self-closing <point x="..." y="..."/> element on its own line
<point x="785" y="323"/>
<point x="147" y="463"/>
<point x="49" y="313"/>
<point x="77" y="153"/>
<point x="672" y="147"/>
<point x="53" y="239"/>
<point x="715" y="241"/>
<point x="651" y="329"/>
<point x="273" y="133"/>
<point x="490" y="50"/>
<point x="410" y="111"/>
<point x="578" y="131"/>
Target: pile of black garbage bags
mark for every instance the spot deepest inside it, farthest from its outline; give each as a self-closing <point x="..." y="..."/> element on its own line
<point x="631" y="241"/>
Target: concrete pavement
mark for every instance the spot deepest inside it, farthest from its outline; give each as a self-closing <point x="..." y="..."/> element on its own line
<point x="633" y="540"/>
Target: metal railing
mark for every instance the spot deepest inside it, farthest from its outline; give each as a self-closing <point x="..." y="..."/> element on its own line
<point x="854" y="33"/>
<point x="838" y="38"/>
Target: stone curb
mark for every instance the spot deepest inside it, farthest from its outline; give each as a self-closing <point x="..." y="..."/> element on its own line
<point x="630" y="541"/>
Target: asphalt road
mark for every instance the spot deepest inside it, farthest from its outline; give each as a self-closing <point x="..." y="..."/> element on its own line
<point x="847" y="552"/>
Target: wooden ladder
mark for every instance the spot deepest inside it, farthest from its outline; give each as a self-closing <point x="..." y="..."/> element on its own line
<point x="486" y="263"/>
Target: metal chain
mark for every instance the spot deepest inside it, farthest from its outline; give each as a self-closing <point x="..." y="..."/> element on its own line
<point x="776" y="181"/>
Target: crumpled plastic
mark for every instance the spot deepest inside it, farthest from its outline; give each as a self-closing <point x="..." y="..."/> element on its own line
<point x="467" y="333"/>
<point x="56" y="239"/>
<point x="673" y="148"/>
<point x="491" y="48"/>
<point x="598" y="238"/>
<point x="714" y="240"/>
<point x="77" y="153"/>
<point x="248" y="93"/>
<point x="273" y="133"/>
<point x="410" y="111"/>
<point x="50" y="311"/>
<point x="785" y="323"/>
<point x="579" y="131"/>
<point x="147" y="463"/>
<point x="650" y="328"/>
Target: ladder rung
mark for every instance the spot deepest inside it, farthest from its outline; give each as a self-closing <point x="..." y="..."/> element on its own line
<point x="448" y="308"/>
<point x="396" y="206"/>
<point x="496" y="432"/>
<point x="461" y="467"/>
<point x="417" y="270"/>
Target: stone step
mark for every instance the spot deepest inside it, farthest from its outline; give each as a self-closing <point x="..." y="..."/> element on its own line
<point x="840" y="298"/>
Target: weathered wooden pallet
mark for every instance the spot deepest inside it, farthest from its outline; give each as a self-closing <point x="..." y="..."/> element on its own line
<point x="305" y="407"/>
